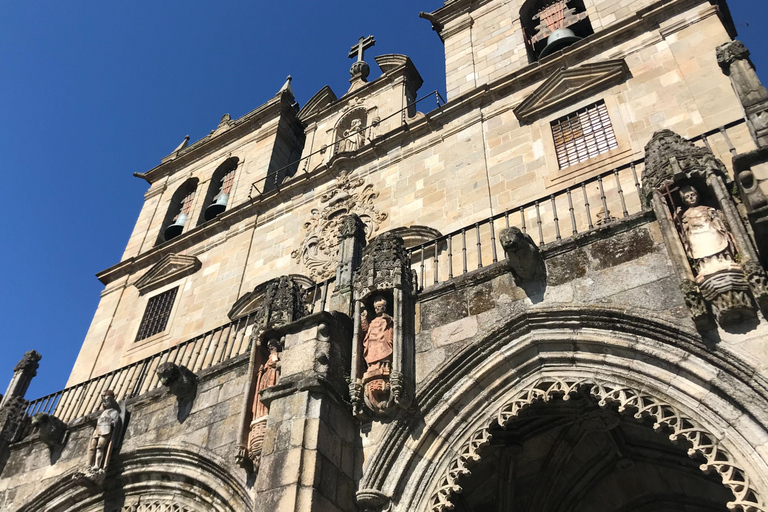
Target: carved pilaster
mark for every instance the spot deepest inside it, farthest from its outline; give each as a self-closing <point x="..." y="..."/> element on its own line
<point x="351" y="242"/>
<point x="382" y="354"/>
<point x="747" y="167"/>
<point x="733" y="58"/>
<point x="706" y="238"/>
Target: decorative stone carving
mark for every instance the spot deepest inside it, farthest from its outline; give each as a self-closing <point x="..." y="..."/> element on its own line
<point x="667" y="418"/>
<point x="319" y="251"/>
<point x="523" y="256"/>
<point x="252" y="301"/>
<point x="52" y="430"/>
<point x="23" y="373"/>
<point x="106" y="436"/>
<point x="13" y="420"/>
<point x="382" y="354"/>
<point x="715" y="244"/>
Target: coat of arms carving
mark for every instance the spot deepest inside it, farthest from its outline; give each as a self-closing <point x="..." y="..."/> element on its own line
<point x="320" y="248"/>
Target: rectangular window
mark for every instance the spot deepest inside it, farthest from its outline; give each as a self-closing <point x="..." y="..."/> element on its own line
<point x="157" y="314"/>
<point x="583" y="134"/>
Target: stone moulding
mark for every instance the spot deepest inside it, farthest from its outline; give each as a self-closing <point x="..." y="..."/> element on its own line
<point x="167" y="270"/>
<point x="569" y="85"/>
<point x="626" y="399"/>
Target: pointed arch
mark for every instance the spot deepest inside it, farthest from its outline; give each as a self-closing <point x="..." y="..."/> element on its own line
<point x="643" y="365"/>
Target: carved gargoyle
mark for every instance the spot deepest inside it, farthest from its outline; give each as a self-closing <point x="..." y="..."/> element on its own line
<point x="52" y="430"/>
<point x="178" y="380"/>
<point x="523" y="257"/>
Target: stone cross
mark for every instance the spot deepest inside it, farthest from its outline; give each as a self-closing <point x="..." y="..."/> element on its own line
<point x="358" y="50"/>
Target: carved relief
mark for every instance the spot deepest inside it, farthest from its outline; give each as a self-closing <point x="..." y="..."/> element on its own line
<point x="703" y="443"/>
<point x="320" y="248"/>
<point x="383" y="350"/>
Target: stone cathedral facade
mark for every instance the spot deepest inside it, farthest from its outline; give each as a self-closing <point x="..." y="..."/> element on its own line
<point x="545" y="292"/>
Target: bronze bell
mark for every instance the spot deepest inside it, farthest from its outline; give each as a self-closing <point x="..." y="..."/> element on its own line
<point x="177" y="227"/>
<point x="217" y="206"/>
<point x="558" y="40"/>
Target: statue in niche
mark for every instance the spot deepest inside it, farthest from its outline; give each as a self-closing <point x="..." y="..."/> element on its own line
<point x="377" y="353"/>
<point x="105" y="436"/>
<point x="353" y="137"/>
<point x="705" y="237"/>
<point x="268" y="374"/>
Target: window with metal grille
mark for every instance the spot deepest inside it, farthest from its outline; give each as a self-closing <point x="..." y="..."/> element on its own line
<point x="583" y="134"/>
<point x="157" y="314"/>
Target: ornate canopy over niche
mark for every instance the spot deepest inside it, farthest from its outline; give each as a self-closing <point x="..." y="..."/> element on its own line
<point x="320" y="248"/>
<point x="251" y="301"/>
<point x="355" y="128"/>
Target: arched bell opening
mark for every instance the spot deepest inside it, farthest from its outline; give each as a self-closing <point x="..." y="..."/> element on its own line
<point x="576" y="456"/>
<point x="179" y="211"/>
<point x="217" y="199"/>
<point x="552" y="25"/>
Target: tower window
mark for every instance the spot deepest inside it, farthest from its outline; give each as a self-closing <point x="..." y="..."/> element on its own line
<point x="179" y="211"/>
<point x="157" y="314"/>
<point x="551" y="25"/>
<point x="583" y="134"/>
<point x="219" y="190"/>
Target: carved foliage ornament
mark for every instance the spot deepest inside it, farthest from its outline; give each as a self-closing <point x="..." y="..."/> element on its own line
<point x="320" y="247"/>
<point x="666" y="417"/>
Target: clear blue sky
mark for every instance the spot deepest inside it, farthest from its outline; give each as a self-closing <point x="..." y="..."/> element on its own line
<point x="91" y="92"/>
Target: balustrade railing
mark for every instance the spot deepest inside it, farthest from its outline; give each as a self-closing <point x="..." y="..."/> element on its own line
<point x="604" y="198"/>
<point x="197" y="354"/>
<point x="609" y="196"/>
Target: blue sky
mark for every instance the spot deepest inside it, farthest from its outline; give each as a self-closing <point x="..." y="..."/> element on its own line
<point x="91" y="92"/>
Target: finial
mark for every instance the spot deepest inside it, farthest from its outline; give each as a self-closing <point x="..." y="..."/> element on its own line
<point x="360" y="68"/>
<point x="183" y="144"/>
<point x="286" y="86"/>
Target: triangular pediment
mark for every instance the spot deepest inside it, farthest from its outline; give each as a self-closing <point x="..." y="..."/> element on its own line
<point x="167" y="270"/>
<point x="251" y="301"/>
<point x="318" y="102"/>
<point x="567" y="86"/>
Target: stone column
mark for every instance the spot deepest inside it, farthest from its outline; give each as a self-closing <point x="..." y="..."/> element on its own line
<point x="22" y="376"/>
<point x="733" y="58"/>
<point x="351" y="243"/>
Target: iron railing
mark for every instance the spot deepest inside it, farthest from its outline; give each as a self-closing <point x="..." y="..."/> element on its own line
<point x="604" y="198"/>
<point x="199" y="353"/>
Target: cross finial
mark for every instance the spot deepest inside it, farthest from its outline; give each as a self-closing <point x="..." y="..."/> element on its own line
<point x="358" y="50"/>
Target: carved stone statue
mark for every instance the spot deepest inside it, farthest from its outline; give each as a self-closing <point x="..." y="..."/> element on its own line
<point x="108" y="427"/>
<point x="383" y="349"/>
<point x="353" y="137"/>
<point x="377" y="353"/>
<point x="705" y="237"/>
<point x="268" y="374"/>
<point x="52" y="430"/>
<point x="179" y="380"/>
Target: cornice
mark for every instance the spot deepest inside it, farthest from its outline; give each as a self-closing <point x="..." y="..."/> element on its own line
<point x="279" y="104"/>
